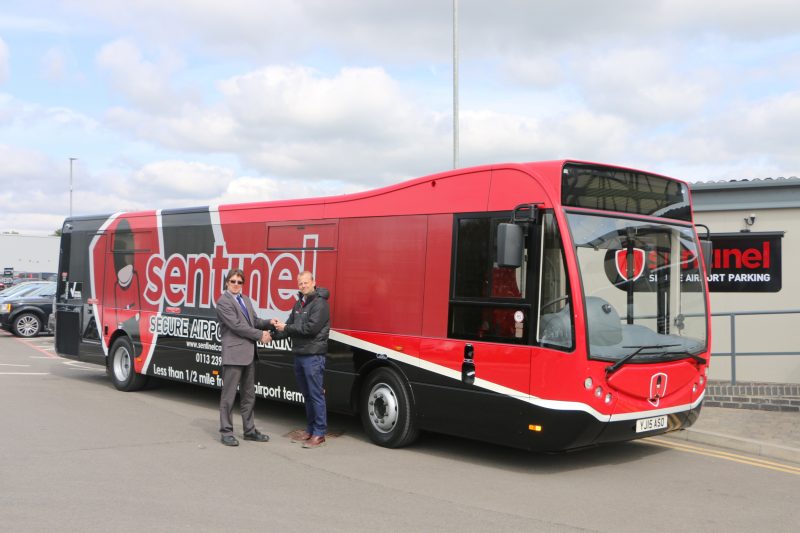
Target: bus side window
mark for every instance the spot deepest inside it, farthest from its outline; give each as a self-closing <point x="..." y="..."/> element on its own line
<point x="556" y="327"/>
<point x="488" y="301"/>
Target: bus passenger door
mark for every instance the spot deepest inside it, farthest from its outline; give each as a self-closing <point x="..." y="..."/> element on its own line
<point x="489" y="319"/>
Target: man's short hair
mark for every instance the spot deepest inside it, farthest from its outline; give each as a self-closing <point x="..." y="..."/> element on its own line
<point x="235" y="272"/>
<point x="305" y="273"/>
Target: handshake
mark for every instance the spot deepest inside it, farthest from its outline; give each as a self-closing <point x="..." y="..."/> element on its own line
<point x="266" y="337"/>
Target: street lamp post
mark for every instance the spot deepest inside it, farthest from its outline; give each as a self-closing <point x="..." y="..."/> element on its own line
<point x="71" y="159"/>
<point x="455" y="83"/>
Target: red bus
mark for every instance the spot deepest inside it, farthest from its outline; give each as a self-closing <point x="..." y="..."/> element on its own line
<point x="547" y="306"/>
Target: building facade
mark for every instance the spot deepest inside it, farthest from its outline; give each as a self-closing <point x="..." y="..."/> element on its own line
<point x="763" y="214"/>
<point x="28" y="254"/>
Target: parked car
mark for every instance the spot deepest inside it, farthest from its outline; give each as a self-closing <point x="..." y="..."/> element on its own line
<point x="25" y="313"/>
<point x="22" y="288"/>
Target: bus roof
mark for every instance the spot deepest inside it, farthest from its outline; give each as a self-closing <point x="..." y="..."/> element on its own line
<point x="548" y="174"/>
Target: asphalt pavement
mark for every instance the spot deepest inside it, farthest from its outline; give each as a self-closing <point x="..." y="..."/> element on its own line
<point x="771" y="434"/>
<point x="765" y="433"/>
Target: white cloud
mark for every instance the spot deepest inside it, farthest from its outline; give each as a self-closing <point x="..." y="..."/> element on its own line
<point x="54" y="65"/>
<point x="31" y="223"/>
<point x="20" y="166"/>
<point x="188" y="127"/>
<point x="29" y="115"/>
<point x="280" y="102"/>
<point x="296" y="122"/>
<point x="535" y="71"/>
<point x="37" y="24"/>
<point x="492" y="137"/>
<point x="747" y="135"/>
<point x="182" y="180"/>
<point x="643" y="84"/>
<point x="143" y="82"/>
<point x="282" y="30"/>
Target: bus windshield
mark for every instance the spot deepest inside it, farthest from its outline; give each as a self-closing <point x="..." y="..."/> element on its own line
<point x="642" y="287"/>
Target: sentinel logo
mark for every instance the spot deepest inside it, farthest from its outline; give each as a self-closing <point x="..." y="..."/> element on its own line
<point x="623" y="260"/>
<point x="195" y="280"/>
<point x="658" y="388"/>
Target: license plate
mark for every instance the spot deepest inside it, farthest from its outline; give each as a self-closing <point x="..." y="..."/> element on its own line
<point x="651" y="424"/>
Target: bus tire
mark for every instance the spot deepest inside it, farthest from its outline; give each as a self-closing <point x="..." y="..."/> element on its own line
<point x="120" y="366"/>
<point x="26" y="325"/>
<point x="387" y="412"/>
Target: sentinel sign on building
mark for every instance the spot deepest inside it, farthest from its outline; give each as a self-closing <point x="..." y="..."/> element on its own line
<point x="746" y="262"/>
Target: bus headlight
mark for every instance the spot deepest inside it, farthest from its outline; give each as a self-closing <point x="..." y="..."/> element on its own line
<point x="598" y="391"/>
<point x="608" y="398"/>
<point x="587" y="383"/>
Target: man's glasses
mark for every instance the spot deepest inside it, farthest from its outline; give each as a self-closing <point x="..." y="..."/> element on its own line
<point x="236" y="281"/>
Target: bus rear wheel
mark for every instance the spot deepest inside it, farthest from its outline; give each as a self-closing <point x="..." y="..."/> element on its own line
<point x="387" y="413"/>
<point x="120" y="367"/>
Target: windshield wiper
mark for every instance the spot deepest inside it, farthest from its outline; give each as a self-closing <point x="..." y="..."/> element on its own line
<point x="610" y="369"/>
<point x="697" y="358"/>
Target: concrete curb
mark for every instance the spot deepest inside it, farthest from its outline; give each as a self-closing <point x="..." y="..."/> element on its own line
<point x="754" y="447"/>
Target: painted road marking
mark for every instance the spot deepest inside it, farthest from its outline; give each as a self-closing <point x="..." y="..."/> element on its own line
<point x="743" y="459"/>
<point x="47" y="355"/>
<point x="78" y="364"/>
<point x="40" y="350"/>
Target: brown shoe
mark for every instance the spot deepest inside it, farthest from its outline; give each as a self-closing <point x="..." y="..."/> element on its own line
<point x="301" y="437"/>
<point x="316" y="441"/>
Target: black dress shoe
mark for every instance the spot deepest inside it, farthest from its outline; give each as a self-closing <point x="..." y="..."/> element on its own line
<point x="256" y="435"/>
<point x="229" y="440"/>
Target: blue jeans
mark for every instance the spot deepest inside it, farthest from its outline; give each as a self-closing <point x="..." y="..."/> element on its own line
<point x="309" y="370"/>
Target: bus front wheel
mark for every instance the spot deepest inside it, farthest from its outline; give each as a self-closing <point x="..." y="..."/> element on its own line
<point x="120" y="367"/>
<point x="387" y="413"/>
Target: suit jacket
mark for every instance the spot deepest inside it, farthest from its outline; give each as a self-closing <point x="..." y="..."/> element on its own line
<point x="239" y="336"/>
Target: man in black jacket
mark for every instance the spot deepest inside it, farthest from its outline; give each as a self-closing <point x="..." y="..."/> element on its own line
<point x="308" y="326"/>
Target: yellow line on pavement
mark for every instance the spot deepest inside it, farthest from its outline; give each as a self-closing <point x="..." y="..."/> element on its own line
<point x="752" y="461"/>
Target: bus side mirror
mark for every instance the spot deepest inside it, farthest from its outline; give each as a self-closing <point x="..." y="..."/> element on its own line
<point x="510" y="245"/>
<point x="707" y="248"/>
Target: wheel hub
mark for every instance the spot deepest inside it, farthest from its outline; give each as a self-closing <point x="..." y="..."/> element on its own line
<point x="122" y="364"/>
<point x="27" y="326"/>
<point x="383" y="408"/>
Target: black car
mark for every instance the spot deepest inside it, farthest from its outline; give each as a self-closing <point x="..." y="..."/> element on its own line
<point x="25" y="315"/>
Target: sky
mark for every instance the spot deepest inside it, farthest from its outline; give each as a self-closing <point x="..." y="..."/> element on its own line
<point x="193" y="102"/>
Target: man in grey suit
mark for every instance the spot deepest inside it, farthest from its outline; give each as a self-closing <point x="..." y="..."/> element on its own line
<point x="240" y="329"/>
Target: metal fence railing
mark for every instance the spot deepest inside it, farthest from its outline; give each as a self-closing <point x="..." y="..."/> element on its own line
<point x="733" y="353"/>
